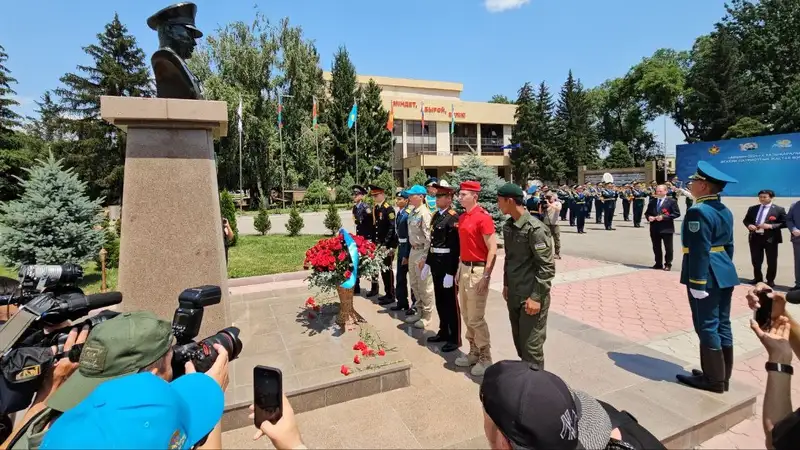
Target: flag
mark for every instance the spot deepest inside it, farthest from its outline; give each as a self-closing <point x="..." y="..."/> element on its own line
<point x="510" y="146"/>
<point x="280" y="111"/>
<point x="452" y="119"/>
<point x="314" y="114"/>
<point x="239" y="113"/>
<point x="351" y="119"/>
<point x="390" y="122"/>
<point x="422" y="111"/>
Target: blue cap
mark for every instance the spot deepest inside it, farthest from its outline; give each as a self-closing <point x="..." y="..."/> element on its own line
<point x="431" y="180"/>
<point x="707" y="172"/>
<point x="533" y="189"/>
<point x="416" y="190"/>
<point x="141" y="411"/>
<point x="403" y="194"/>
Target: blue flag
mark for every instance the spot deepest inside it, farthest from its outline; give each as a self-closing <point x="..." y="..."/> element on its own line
<point x="510" y="146"/>
<point x="351" y="119"/>
<point x="352" y="248"/>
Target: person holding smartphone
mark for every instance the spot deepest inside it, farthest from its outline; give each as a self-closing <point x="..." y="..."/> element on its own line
<point x="272" y="413"/>
<point x="227" y="236"/>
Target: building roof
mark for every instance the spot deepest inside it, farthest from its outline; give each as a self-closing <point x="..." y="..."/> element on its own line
<point x="406" y="83"/>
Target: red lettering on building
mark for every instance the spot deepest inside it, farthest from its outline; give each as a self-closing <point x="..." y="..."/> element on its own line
<point x="459" y="115"/>
<point x="428" y="109"/>
<point x="404" y="104"/>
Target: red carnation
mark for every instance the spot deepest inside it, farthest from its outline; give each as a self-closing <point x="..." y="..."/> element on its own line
<point x="347" y="274"/>
<point x="356" y="359"/>
<point x="381" y="352"/>
<point x="771" y="218"/>
<point x="345" y="370"/>
<point x="360" y="345"/>
<point x="664" y="210"/>
<point x="310" y="301"/>
<point x="342" y="256"/>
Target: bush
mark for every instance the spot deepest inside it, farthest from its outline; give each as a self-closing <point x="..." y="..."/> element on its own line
<point x="262" y="223"/>
<point x="295" y="223"/>
<point x="344" y="192"/>
<point x="332" y="220"/>
<point x="111" y="245"/>
<point x="317" y="193"/>
<point x="473" y="168"/>
<point x="228" y="209"/>
<point x="53" y="222"/>
<point x="419" y="177"/>
<point x="386" y="181"/>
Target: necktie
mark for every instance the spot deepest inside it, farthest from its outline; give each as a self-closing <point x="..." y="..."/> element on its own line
<point x="761" y="213"/>
<point x="658" y="205"/>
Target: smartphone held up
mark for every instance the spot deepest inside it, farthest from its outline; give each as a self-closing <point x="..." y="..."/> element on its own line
<point x="763" y="315"/>
<point x="267" y="395"/>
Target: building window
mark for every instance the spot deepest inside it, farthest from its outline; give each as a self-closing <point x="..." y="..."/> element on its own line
<point x="398" y="178"/>
<point x="398" y="129"/>
<point x="419" y="140"/>
<point x="491" y="139"/>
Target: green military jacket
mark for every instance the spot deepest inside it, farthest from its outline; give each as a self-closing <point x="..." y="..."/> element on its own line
<point x="529" y="266"/>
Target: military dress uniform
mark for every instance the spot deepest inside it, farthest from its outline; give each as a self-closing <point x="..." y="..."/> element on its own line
<point x="419" y="238"/>
<point x="599" y="204"/>
<point x="403" y="252"/>
<point x="710" y="277"/>
<point x="527" y="274"/>
<point x="638" y="206"/>
<point x="365" y="227"/>
<point x="609" y="196"/>
<point x="579" y="210"/>
<point x="627" y="196"/>
<point x="563" y="196"/>
<point x="443" y="262"/>
<point x="383" y="216"/>
<point x="590" y="193"/>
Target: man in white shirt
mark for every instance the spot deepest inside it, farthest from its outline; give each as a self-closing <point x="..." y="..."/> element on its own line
<point x="764" y="221"/>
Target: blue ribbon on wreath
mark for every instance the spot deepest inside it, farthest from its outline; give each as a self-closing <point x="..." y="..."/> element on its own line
<point x="352" y="248"/>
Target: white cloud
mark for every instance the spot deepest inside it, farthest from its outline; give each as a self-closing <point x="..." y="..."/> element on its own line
<point x="504" y="5"/>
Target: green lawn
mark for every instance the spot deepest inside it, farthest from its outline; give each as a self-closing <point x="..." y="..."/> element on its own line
<point x="253" y="255"/>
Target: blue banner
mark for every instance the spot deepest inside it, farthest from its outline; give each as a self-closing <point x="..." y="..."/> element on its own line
<point x="765" y="162"/>
<point x="352" y="248"/>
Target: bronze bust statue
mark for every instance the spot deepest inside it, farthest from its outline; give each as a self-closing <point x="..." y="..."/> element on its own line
<point x="176" y="38"/>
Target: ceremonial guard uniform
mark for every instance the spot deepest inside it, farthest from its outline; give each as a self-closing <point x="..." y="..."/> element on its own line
<point x="403" y="253"/>
<point x="599" y="204"/>
<point x="430" y="198"/>
<point x="365" y="227"/>
<point x="590" y="193"/>
<point x="609" y="196"/>
<point x="419" y="238"/>
<point x="443" y="262"/>
<point x="579" y="209"/>
<point x="638" y="205"/>
<point x="627" y="196"/>
<point x="527" y="275"/>
<point x="383" y="216"/>
<point x="710" y="277"/>
<point x="563" y="195"/>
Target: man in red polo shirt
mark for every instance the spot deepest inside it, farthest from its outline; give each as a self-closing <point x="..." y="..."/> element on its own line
<point x="478" y="241"/>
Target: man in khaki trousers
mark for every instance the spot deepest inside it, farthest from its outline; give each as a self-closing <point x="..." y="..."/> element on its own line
<point x="419" y="237"/>
<point x="478" y="247"/>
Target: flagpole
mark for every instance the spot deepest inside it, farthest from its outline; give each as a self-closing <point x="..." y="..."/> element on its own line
<point x="316" y="138"/>
<point x="280" y="137"/>
<point x="241" y="191"/>
<point x="355" y="102"/>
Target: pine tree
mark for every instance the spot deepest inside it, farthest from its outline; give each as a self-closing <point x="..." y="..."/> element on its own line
<point x="262" y="224"/>
<point x="522" y="162"/>
<point x="316" y="194"/>
<point x="227" y="208"/>
<point x="577" y="142"/>
<point x="375" y="142"/>
<point x="295" y="224"/>
<point x="386" y="181"/>
<point x="47" y="125"/>
<point x="343" y="92"/>
<point x="118" y="68"/>
<point x="344" y="191"/>
<point x="332" y="220"/>
<point x="53" y="222"/>
<point x="8" y="118"/>
<point x="549" y="166"/>
<point x="473" y="168"/>
<point x="619" y="157"/>
<point x="419" y="177"/>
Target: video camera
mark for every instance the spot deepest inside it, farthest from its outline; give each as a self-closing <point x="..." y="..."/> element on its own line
<point x="186" y="326"/>
<point x="39" y="278"/>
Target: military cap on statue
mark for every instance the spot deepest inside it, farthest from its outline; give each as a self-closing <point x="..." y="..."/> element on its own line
<point x="178" y="14"/>
<point x="431" y="180"/>
<point x="707" y="172"/>
<point x="509" y="190"/>
<point x="416" y="190"/>
<point x="443" y="188"/>
<point x="374" y="189"/>
<point x="358" y="190"/>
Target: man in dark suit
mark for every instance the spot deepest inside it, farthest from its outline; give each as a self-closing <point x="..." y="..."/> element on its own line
<point x="764" y="221"/>
<point x="661" y="213"/>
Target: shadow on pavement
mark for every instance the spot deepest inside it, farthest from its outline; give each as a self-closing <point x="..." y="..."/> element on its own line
<point x="646" y="366"/>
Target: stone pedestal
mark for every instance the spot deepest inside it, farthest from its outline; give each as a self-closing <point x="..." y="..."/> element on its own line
<point x="171" y="224"/>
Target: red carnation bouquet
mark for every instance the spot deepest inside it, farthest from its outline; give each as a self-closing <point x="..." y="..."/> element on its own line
<point x="331" y="265"/>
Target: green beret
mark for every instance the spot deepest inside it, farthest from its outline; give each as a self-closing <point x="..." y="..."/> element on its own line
<point x="509" y="190"/>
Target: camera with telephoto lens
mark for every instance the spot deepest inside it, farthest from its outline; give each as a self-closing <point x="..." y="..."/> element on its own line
<point x="186" y="326"/>
<point x="39" y="278"/>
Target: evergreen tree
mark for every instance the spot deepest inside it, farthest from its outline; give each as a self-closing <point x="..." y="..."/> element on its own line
<point x="619" y="157"/>
<point x="54" y="222"/>
<point x="549" y="166"/>
<point x="118" y="68"/>
<point x="295" y="224"/>
<point x="786" y="115"/>
<point x="332" y="220"/>
<point x="317" y="193"/>
<point x="387" y="182"/>
<point x="47" y="125"/>
<point x="344" y="92"/>
<point x="375" y="142"/>
<point x="262" y="224"/>
<point x="522" y="162"/>
<point x="576" y="139"/>
<point x="473" y="168"/>
<point x="344" y="191"/>
<point x="227" y="208"/>
<point x="500" y="98"/>
<point x="8" y="118"/>
<point x="419" y="177"/>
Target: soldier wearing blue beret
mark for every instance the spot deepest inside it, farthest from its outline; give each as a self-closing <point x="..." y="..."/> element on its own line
<point x="710" y="276"/>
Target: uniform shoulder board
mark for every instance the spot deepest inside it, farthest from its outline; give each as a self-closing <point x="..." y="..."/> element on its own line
<point x="385" y="204"/>
<point x="452" y="212"/>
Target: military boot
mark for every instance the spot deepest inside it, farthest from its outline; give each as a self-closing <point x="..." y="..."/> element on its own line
<point x="373" y="291"/>
<point x="713" y="377"/>
<point x="470" y="358"/>
<point x="484" y="361"/>
<point x="727" y="354"/>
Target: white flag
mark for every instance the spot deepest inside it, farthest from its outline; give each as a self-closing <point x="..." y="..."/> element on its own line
<point x="239" y="113"/>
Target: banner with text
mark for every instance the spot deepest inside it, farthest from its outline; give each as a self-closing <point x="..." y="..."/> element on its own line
<point x="765" y="162"/>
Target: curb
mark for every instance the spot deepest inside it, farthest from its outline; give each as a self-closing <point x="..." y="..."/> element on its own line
<point x="262" y="279"/>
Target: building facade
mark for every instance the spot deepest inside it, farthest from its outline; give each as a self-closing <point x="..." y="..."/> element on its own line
<point x="422" y="120"/>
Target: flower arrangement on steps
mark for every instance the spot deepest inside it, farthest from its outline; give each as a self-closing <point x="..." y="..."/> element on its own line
<point x="336" y="263"/>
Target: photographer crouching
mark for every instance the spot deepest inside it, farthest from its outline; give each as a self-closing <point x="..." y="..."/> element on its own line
<point x="780" y="335"/>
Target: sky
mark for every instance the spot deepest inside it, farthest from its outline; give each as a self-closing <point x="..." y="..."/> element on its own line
<point x="491" y="46"/>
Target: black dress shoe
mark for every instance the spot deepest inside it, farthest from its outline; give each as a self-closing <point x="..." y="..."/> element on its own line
<point x="397" y="308"/>
<point x="436" y="339"/>
<point x="668" y="267"/>
<point x="658" y="267"/>
<point x="385" y="301"/>
<point x="410" y="311"/>
<point x="449" y="347"/>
